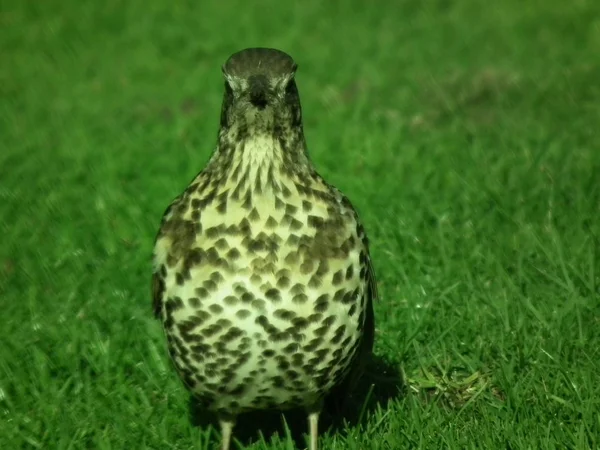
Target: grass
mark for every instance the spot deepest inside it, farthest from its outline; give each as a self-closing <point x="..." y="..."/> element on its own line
<point x="466" y="136"/>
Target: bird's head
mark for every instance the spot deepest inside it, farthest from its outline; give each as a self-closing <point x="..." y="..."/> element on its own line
<point x="260" y="90"/>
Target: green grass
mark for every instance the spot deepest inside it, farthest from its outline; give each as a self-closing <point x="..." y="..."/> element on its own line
<point x="466" y="135"/>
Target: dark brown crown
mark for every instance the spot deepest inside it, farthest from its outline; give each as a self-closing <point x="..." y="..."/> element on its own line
<point x="259" y="61"/>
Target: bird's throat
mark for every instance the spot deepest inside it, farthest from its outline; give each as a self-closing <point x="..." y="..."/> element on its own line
<point x="257" y="163"/>
<point x="261" y="162"/>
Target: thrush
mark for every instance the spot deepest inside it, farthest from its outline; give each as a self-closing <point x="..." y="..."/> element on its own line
<point x="262" y="276"/>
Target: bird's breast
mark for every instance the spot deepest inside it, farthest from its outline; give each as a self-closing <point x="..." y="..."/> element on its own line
<point x="269" y="290"/>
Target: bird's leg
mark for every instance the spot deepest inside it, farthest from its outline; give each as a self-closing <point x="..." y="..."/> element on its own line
<point x="313" y="424"/>
<point x="313" y="421"/>
<point x="226" y="423"/>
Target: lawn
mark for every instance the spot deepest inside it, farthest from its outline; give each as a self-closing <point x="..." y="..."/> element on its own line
<point x="465" y="133"/>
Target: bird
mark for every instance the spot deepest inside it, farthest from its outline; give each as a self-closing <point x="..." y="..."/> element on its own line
<point x="261" y="273"/>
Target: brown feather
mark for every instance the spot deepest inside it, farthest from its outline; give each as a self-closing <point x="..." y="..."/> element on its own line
<point x="337" y="400"/>
<point x="158" y="288"/>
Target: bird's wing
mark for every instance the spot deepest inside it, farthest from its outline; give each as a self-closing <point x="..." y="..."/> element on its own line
<point x="158" y="288"/>
<point x="338" y="398"/>
<point x="158" y="282"/>
<point x="371" y="278"/>
<point x="176" y="233"/>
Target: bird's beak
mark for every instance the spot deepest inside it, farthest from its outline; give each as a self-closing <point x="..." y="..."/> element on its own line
<point x="259" y="91"/>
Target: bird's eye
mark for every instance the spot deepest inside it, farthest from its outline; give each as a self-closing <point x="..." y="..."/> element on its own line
<point x="290" y="88"/>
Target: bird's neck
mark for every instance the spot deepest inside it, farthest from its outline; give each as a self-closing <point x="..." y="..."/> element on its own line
<point x="261" y="160"/>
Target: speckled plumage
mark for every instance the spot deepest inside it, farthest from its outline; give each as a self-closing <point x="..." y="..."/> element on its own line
<point x="262" y="275"/>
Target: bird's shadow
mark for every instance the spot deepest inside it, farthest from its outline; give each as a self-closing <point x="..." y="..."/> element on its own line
<point x="380" y="383"/>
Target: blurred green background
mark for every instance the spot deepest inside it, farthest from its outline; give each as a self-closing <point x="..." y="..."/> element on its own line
<point x="465" y="133"/>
